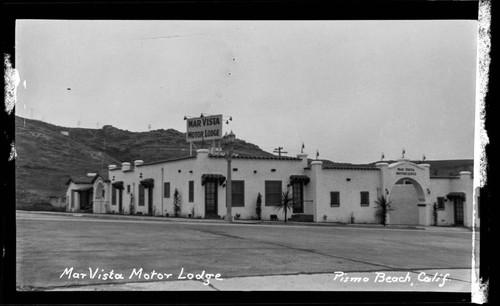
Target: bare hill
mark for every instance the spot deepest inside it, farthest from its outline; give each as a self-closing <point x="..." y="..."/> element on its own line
<point x="47" y="155"/>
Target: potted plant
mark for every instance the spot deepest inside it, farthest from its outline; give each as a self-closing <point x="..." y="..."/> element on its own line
<point x="132" y="207"/>
<point x="177" y="202"/>
<point x="286" y="203"/>
<point x="382" y="209"/>
<point x="434" y="214"/>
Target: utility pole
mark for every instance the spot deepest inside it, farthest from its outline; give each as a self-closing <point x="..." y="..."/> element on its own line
<point x="278" y="150"/>
<point x="149" y="126"/>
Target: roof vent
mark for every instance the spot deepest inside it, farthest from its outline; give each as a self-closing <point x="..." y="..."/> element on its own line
<point x="91" y="174"/>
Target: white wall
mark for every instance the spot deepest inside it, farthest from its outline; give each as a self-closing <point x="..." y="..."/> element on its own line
<point x="350" y="198"/>
<point x="193" y="169"/>
<point x="440" y="188"/>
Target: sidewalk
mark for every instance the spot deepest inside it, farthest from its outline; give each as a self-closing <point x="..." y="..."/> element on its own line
<point x="445" y="280"/>
<point x="257" y="222"/>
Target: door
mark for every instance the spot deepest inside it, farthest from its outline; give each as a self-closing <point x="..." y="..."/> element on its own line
<point x="211" y="199"/>
<point x="120" y="200"/>
<point x="298" y="198"/>
<point x="150" y="201"/>
<point x="459" y="212"/>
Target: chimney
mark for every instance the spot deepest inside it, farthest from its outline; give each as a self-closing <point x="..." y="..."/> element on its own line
<point x="112" y="167"/>
<point x="125" y="166"/>
<point x="138" y="162"/>
<point x="303" y="156"/>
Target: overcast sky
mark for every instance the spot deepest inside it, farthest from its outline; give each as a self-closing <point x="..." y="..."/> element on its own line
<point x="350" y="89"/>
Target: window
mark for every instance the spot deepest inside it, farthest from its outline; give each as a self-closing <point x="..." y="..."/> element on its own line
<point x="334" y="199"/>
<point x="440" y="203"/>
<point x="237" y="193"/>
<point x="141" y="195"/>
<point x="166" y="190"/>
<point x="365" y="198"/>
<point x="128" y="188"/>
<point x="191" y="191"/>
<point x="103" y="194"/>
<point x="273" y="192"/>
<point x="113" y="195"/>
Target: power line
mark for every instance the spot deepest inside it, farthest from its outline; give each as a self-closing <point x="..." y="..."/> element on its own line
<point x="278" y="150"/>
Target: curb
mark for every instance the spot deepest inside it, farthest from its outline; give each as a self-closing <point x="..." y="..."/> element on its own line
<point x="193" y="220"/>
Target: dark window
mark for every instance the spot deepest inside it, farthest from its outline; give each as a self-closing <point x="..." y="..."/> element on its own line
<point x="334" y="199"/>
<point x="191" y="191"/>
<point x="440" y="203"/>
<point x="141" y="195"/>
<point x="273" y="192"/>
<point x="166" y="190"/>
<point x="238" y="193"/>
<point x="365" y="198"/>
<point x="113" y="196"/>
<point x="128" y="188"/>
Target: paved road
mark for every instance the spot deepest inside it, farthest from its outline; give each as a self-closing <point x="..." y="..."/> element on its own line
<point x="251" y="255"/>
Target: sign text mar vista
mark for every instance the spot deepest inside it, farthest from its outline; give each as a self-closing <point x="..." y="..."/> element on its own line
<point x="204" y="128"/>
<point x="405" y="171"/>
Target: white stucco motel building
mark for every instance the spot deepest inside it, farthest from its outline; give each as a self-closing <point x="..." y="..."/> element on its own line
<point x="343" y="193"/>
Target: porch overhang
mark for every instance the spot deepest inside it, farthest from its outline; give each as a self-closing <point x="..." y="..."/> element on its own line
<point x="148" y="183"/>
<point x="118" y="185"/>
<point x="456" y="195"/>
<point x="299" y="179"/>
<point x="82" y="188"/>
<point x="212" y="177"/>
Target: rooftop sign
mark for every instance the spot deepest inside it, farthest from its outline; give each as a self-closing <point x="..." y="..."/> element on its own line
<point x="204" y="128"/>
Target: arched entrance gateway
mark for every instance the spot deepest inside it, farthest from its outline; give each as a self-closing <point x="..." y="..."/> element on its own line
<point x="406" y="185"/>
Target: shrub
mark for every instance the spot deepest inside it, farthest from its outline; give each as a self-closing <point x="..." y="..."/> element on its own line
<point x="382" y="209"/>
<point x="258" y="206"/>
<point x="286" y="202"/>
<point x="177" y="202"/>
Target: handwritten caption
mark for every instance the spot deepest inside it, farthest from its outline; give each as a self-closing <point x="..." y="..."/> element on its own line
<point x="382" y="277"/>
<point x="101" y="274"/>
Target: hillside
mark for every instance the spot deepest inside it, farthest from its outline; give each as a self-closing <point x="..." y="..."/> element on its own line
<point x="47" y="155"/>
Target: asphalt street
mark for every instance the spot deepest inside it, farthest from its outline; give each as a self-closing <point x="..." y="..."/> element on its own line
<point x="57" y="252"/>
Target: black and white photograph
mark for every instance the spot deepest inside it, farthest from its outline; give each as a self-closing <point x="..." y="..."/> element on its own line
<point x="247" y="155"/>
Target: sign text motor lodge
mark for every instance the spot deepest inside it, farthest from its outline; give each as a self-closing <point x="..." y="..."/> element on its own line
<point x="204" y="128"/>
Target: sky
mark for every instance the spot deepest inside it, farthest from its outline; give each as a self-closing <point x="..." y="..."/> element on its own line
<point x="350" y="90"/>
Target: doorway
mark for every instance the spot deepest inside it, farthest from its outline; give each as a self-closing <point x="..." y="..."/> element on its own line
<point x="211" y="199"/>
<point x="150" y="200"/>
<point x="459" y="211"/>
<point x="298" y="197"/>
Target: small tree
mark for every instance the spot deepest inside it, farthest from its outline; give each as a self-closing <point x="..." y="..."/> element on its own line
<point x="382" y="209"/>
<point x="258" y="206"/>
<point x="435" y="214"/>
<point x="285" y="204"/>
<point x="177" y="202"/>
<point x="132" y="206"/>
